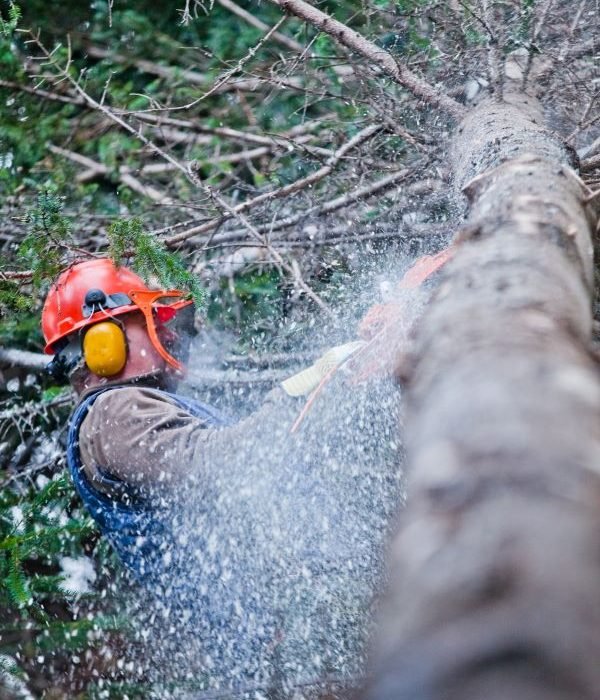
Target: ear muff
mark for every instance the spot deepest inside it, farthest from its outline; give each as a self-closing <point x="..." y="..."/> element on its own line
<point x="105" y="349"/>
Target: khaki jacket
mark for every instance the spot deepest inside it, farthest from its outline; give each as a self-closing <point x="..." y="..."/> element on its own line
<point x="145" y="439"/>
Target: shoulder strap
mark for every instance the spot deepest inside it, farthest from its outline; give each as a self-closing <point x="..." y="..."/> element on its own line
<point x="104" y="483"/>
<point x="200" y="410"/>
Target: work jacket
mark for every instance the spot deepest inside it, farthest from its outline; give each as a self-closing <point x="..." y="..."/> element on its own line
<point x="131" y="449"/>
<point x="126" y="515"/>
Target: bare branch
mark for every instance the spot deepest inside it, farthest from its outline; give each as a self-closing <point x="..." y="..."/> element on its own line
<point x="328" y="207"/>
<point x="289" y="268"/>
<point x="493" y="55"/>
<point x="12" y="357"/>
<point x="95" y="169"/>
<point x="593" y="163"/>
<point x="22" y="275"/>
<point x="356" y="42"/>
<point x="293" y="187"/>
<point x="565" y="47"/>
<point x="538" y="26"/>
<point x="45" y="94"/>
<point x="255" y="22"/>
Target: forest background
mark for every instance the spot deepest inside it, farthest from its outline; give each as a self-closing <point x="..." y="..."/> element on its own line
<point x="251" y="158"/>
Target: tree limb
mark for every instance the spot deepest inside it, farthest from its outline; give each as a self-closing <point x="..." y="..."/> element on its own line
<point x="356" y="42"/>
<point x="13" y="357"/>
<point x="95" y="169"/>
<point x="293" y="187"/>
<point x="255" y="22"/>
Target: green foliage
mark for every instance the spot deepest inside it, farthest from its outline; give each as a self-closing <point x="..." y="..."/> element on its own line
<point x="251" y="302"/>
<point x="45" y="249"/>
<point x="38" y="527"/>
<point x="41" y="522"/>
<point x="128" y="239"/>
<point x="22" y="328"/>
<point x="8" y="26"/>
<point x="48" y="239"/>
<point x="12" y="300"/>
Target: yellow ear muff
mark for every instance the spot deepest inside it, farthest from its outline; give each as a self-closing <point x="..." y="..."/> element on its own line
<point x="105" y="349"/>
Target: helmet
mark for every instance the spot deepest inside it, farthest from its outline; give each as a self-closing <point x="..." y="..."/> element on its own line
<point x="95" y="291"/>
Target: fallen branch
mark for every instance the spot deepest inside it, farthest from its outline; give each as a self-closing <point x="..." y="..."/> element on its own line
<point x="356" y="42"/>
<point x="167" y="72"/>
<point x="95" y="169"/>
<point x="359" y="193"/>
<point x="292" y="188"/>
<point x="255" y="22"/>
<point x="45" y="94"/>
<point x="12" y="357"/>
<point x="22" y="275"/>
<point x="344" y="234"/>
<point x="586" y="166"/>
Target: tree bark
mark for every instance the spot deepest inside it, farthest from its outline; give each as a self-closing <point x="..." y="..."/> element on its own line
<point x="495" y="585"/>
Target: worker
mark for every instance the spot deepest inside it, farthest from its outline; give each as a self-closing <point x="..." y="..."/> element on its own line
<point x="136" y="450"/>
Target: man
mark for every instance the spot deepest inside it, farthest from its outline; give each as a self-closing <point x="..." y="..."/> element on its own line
<point x="228" y="526"/>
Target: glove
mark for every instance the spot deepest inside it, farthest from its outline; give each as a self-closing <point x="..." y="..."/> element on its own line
<point x="306" y="381"/>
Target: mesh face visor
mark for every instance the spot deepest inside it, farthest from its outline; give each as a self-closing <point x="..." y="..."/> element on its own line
<point x="67" y="358"/>
<point x="170" y="323"/>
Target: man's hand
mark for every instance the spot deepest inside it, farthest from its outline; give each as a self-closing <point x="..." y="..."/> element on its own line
<point x="386" y="327"/>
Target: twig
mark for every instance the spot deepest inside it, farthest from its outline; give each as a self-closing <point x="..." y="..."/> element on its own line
<point x="38" y="92"/>
<point x="584" y="122"/>
<point x="565" y="47"/>
<point x="226" y="77"/>
<point x="255" y="22"/>
<point x="357" y="43"/>
<point x="95" y="169"/>
<point x="539" y="25"/>
<point x="172" y="74"/>
<point x="493" y="55"/>
<point x="293" y="187"/>
<point x="169" y="73"/>
<point x="355" y="195"/>
<point x="23" y="275"/>
<point x="257" y="236"/>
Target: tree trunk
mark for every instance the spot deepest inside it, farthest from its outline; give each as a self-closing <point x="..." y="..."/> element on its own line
<point x="495" y="586"/>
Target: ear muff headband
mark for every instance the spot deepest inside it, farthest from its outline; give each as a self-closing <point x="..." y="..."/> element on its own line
<point x="105" y="349"/>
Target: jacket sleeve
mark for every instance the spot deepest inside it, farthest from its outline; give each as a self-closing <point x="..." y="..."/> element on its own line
<point x="145" y="439"/>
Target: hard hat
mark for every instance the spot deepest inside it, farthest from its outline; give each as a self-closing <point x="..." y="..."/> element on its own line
<point x="94" y="292"/>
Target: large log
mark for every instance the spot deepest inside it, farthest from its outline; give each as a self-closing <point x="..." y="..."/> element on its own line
<point x="495" y="585"/>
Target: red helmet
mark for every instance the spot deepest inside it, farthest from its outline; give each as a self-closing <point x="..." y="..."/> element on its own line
<point x="91" y="291"/>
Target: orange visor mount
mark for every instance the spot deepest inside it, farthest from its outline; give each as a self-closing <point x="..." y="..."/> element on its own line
<point x="159" y="309"/>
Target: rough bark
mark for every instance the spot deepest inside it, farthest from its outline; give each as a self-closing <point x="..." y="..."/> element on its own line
<point x="495" y="586"/>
